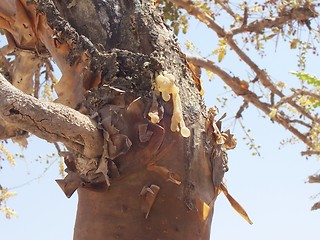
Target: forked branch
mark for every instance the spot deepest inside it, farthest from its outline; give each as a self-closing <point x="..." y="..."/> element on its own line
<point x="300" y="14"/>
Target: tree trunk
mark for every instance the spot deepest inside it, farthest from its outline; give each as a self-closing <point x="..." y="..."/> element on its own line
<point x="162" y="161"/>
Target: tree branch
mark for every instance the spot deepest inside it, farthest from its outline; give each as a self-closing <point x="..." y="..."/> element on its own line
<point x="200" y="15"/>
<point x="315" y="206"/>
<point x="228" y="35"/>
<point x="240" y="88"/>
<point x="314" y="179"/>
<point x="226" y="8"/>
<point x="50" y="121"/>
<point x="300" y="122"/>
<point x="265" y="80"/>
<point x="304" y="92"/>
<point x="258" y="26"/>
<point x="310" y="152"/>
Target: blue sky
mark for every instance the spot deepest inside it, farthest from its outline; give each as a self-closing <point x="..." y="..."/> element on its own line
<point x="270" y="187"/>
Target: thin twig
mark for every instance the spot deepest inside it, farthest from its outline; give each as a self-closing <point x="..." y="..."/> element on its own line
<point x="241" y="109"/>
<point x="251" y="140"/>
<point x="36" y="178"/>
<point x="259" y="26"/>
<point x="300" y="122"/>
<point x="304" y="92"/>
<point x="60" y="152"/>
<point x="226" y="8"/>
<point x="285" y="100"/>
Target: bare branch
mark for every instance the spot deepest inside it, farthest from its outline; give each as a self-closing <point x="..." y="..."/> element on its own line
<point x="228" y="35"/>
<point x="50" y="121"/>
<point x="310" y="152"/>
<point x="304" y="92"/>
<point x="241" y="109"/>
<point x="201" y="15"/>
<point x="259" y="26"/>
<point x="266" y="81"/>
<point x="300" y="14"/>
<point x="315" y="206"/>
<point x="285" y="100"/>
<point x="245" y="16"/>
<point x="240" y="88"/>
<point x="226" y="8"/>
<point x="301" y="110"/>
<point x="314" y="178"/>
<point x="300" y="122"/>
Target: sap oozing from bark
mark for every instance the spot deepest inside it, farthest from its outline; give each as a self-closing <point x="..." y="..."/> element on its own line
<point x="145" y="181"/>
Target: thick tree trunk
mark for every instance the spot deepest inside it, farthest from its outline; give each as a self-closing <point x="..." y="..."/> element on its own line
<point x="150" y="181"/>
<point x="172" y="171"/>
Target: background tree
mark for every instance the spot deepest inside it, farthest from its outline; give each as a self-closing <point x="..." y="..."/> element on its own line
<point x="62" y="46"/>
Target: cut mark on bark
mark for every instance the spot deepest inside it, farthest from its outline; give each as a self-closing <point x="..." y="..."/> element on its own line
<point x="148" y="195"/>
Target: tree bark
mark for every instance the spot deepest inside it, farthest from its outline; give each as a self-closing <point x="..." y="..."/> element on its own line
<point x="54" y="122"/>
<point x="150" y="181"/>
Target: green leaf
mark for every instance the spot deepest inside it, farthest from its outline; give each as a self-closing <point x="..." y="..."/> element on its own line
<point x="310" y="79"/>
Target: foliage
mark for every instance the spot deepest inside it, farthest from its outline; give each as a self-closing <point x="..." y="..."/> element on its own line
<point x="4" y="196"/>
<point x="310" y="98"/>
<point x="6" y="155"/>
<point x="306" y="77"/>
<point x="178" y="20"/>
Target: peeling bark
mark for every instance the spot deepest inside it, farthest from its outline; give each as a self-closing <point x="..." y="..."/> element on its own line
<point x="136" y="178"/>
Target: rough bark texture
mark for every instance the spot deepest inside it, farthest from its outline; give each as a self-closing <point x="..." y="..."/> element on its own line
<point x="160" y="186"/>
<point x="54" y="122"/>
<point x="148" y="182"/>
